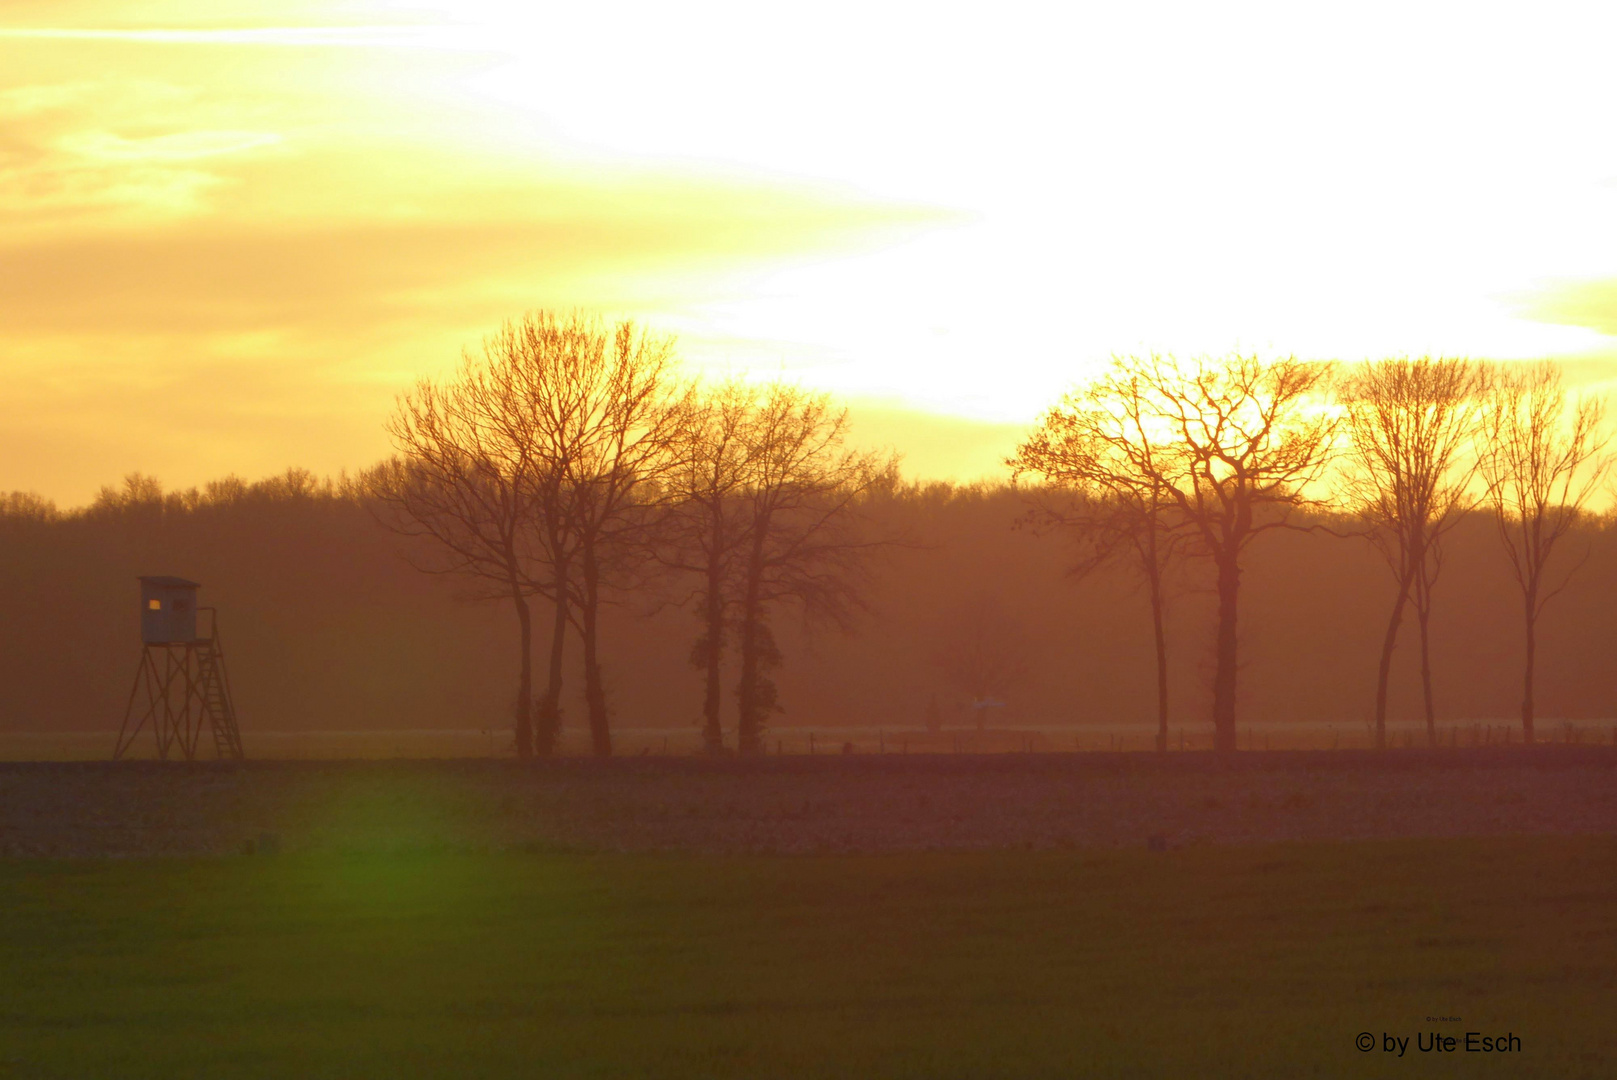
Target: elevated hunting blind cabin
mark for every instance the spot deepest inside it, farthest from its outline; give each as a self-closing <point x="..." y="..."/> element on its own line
<point x="181" y="682"/>
<point x="168" y="610"/>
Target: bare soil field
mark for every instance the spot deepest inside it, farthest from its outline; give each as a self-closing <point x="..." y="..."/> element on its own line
<point x="841" y="803"/>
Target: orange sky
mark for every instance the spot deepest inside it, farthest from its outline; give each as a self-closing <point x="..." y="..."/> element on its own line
<point x="230" y="234"/>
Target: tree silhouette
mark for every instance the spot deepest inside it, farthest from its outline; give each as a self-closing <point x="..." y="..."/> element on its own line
<point x="1410" y="424"/>
<point x="983" y="653"/>
<point x="1541" y="460"/>
<point x="704" y="528"/>
<point x="800" y="504"/>
<point x="606" y="407"/>
<point x="1232" y="445"/>
<point x="469" y="477"/>
<point x="1104" y="482"/>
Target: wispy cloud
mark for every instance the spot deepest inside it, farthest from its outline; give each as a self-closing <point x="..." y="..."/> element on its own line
<point x="213" y="260"/>
<point x="1588" y="304"/>
<point x="369" y="37"/>
<point x="177" y="146"/>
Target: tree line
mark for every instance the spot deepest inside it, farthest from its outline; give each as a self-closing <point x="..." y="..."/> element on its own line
<point x="1159" y="459"/>
<point x="572" y="469"/>
<point x="570" y="460"/>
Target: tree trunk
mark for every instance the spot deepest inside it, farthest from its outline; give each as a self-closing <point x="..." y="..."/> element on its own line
<point x="594" y="692"/>
<point x="713" y="729"/>
<point x="525" y="678"/>
<point x="1229" y="587"/>
<point x="750" y="734"/>
<point x="1423" y="614"/>
<point x="1389" y="642"/>
<point x="1154" y="578"/>
<point x="550" y="705"/>
<point x="1530" y="596"/>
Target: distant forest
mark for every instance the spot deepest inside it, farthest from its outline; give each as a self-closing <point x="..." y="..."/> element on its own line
<point x="327" y="625"/>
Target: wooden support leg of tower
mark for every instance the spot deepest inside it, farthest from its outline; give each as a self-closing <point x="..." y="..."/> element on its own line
<point x="146" y="678"/>
<point x="170" y="729"/>
<point x="191" y="687"/>
<point x="190" y="723"/>
<point x="163" y="714"/>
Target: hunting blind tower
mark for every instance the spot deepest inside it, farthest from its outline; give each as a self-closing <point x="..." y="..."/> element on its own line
<point x="181" y="681"/>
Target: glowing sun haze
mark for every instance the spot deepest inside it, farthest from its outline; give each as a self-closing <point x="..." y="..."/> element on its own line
<point x="229" y="234"/>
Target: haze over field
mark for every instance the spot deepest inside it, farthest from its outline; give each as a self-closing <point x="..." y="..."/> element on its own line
<point x="229" y="237"/>
<point x="328" y="627"/>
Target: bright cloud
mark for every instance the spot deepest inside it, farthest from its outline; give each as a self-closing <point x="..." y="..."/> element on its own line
<point x="287" y="211"/>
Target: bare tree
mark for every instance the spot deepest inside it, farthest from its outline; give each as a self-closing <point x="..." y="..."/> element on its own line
<point x="608" y="408"/>
<point x="1430" y="567"/>
<point x="1410" y="423"/>
<point x="1542" y="458"/>
<point x="467" y="479"/>
<point x="983" y="654"/>
<point x="705" y="529"/>
<point x="1105" y="482"/>
<point x="1235" y="445"/>
<point x="801" y="500"/>
<point x="538" y="414"/>
<point x="28" y="506"/>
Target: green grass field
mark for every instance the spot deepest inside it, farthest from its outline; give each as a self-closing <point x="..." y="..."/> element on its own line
<point x="1206" y="961"/>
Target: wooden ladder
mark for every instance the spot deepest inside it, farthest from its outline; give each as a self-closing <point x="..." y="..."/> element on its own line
<point x="216" y="698"/>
